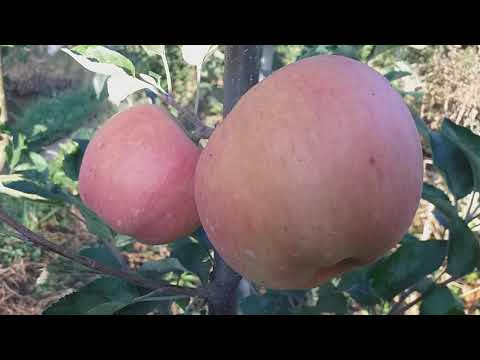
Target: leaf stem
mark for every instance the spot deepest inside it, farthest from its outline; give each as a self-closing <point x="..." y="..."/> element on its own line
<point x="199" y="79"/>
<point x="469" y="213"/>
<point x="201" y="131"/>
<point x="167" y="72"/>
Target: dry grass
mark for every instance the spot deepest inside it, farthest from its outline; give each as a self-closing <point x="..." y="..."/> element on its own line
<point x="452" y="87"/>
<point x="17" y="283"/>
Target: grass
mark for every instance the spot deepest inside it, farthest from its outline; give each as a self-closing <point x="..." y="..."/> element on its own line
<point x="49" y="119"/>
<point x="28" y="213"/>
<point x="44" y="121"/>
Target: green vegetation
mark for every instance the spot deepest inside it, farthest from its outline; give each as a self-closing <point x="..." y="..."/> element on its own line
<point x="49" y="119"/>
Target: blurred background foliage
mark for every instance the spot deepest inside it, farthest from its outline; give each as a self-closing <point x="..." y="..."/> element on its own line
<point x="51" y="100"/>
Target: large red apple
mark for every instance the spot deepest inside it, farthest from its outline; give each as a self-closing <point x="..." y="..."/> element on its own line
<point x="316" y="170"/>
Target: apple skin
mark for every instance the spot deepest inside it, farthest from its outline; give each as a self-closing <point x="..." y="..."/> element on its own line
<point x="317" y="170"/>
<point x="137" y="175"/>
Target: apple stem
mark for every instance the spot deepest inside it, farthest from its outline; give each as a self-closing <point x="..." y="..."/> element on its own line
<point x="242" y="68"/>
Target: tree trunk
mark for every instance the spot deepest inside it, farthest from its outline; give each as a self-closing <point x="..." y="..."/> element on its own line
<point x="242" y="67"/>
<point x="267" y="61"/>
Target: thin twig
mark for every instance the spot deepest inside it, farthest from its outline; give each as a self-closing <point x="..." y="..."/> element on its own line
<point x="410" y="290"/>
<point x="474" y="215"/>
<point x="467" y="214"/>
<point x="403" y="309"/>
<point x="402" y="298"/>
<point x="201" y="130"/>
<point x="470" y="292"/>
<point x="77" y="217"/>
<point x="475" y="226"/>
<point x="133" y="278"/>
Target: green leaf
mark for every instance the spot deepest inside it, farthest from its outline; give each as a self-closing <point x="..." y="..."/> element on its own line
<point x="351" y="51"/>
<point x="396" y="75"/>
<point x="31" y="190"/>
<point x="380" y="49"/>
<point x="441" y="301"/>
<point x="105" y="55"/>
<point x="102" y="255"/>
<point x="422" y="127"/>
<point x="192" y="256"/>
<point x="201" y="236"/>
<point x="269" y="304"/>
<point x="411" y="262"/>
<point x="453" y="165"/>
<point x="155" y="81"/>
<point x="438" y="198"/>
<point x="358" y="285"/>
<point x="108" y="308"/>
<point x="156" y="269"/>
<point x="39" y="129"/>
<point x="24" y="167"/>
<point x="154" y="49"/>
<point x="408" y="238"/>
<point x="469" y="143"/>
<point x="73" y="159"/>
<point x="35" y="176"/>
<point x="96" y="67"/>
<point x="39" y="162"/>
<point x="15" y="149"/>
<point x="463" y="249"/>
<point x="124" y="241"/>
<point x="120" y="86"/>
<point x="145" y="307"/>
<point x="102" y="296"/>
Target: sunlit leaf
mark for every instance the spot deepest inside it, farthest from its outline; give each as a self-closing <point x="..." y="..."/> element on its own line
<point x="96" y="67"/>
<point x="154" y="49"/>
<point x="195" y="54"/>
<point x="39" y="162"/>
<point x="105" y="55"/>
<point x="121" y="86"/>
